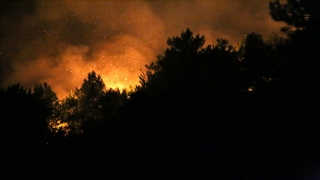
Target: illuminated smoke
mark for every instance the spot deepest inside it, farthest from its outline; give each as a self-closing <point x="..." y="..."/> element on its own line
<point x="61" y="41"/>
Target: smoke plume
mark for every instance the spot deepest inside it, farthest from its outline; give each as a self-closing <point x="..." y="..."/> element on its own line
<point x="59" y="42"/>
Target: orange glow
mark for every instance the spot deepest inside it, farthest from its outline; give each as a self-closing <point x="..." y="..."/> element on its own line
<point x="119" y="66"/>
<point x="56" y="126"/>
<point x="60" y="43"/>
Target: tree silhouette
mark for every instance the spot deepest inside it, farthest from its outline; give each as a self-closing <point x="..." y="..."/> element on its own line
<point x="43" y="91"/>
<point x="88" y="107"/>
<point x="66" y="118"/>
<point x="83" y="106"/>
<point x="88" y="96"/>
<point x="24" y="118"/>
<point x="91" y="90"/>
<point x="260" y="60"/>
<point x="193" y="111"/>
<point x="189" y="67"/>
<point x="295" y="92"/>
<point x="189" y="92"/>
<point x="303" y="26"/>
<point x="175" y="62"/>
<point x="111" y="100"/>
<point x="299" y="15"/>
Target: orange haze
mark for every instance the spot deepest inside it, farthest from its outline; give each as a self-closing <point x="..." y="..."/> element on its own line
<point x="60" y="42"/>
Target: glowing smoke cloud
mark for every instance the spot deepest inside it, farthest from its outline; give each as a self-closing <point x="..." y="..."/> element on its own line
<point x="59" y="42"/>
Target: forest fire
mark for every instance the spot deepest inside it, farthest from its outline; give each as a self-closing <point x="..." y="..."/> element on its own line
<point x="58" y="126"/>
<point x="118" y="68"/>
<point x="77" y="103"/>
<point x="60" y="44"/>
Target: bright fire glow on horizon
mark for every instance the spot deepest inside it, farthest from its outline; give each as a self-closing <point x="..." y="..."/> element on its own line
<point x="116" y="70"/>
<point x="60" y="42"/>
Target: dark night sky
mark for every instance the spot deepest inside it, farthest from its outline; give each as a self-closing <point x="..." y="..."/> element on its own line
<point x="59" y="42"/>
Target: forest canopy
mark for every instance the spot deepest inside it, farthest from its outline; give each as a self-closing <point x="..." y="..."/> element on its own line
<point x="227" y="105"/>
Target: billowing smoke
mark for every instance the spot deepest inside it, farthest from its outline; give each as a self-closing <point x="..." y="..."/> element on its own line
<point x="59" y="42"/>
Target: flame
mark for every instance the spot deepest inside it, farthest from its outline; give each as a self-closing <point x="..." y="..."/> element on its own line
<point x="118" y="65"/>
<point x="56" y="126"/>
